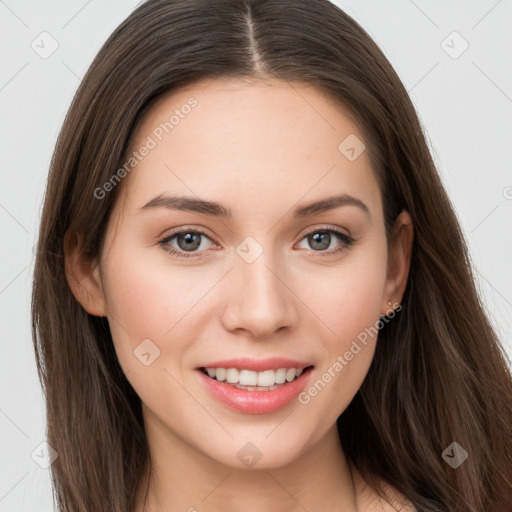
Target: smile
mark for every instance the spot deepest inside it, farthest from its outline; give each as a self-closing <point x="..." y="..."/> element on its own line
<point x="254" y="392"/>
<point x="254" y="381"/>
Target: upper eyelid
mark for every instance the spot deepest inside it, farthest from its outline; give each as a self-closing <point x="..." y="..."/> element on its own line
<point x="337" y="229"/>
<point x="171" y="233"/>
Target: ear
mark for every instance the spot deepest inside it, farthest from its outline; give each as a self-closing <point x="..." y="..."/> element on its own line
<point x="83" y="276"/>
<point x="399" y="262"/>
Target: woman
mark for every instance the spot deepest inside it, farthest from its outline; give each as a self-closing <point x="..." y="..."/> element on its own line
<point x="251" y="289"/>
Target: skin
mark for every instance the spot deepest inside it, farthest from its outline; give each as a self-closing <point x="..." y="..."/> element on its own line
<point x="259" y="148"/>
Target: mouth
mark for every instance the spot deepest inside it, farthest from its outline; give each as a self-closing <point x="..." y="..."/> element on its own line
<point x="255" y="392"/>
<point x="250" y="380"/>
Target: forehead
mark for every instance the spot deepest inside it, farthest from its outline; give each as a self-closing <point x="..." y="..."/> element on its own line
<point x="249" y="140"/>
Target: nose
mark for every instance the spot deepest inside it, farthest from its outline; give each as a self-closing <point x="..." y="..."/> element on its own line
<point x="259" y="298"/>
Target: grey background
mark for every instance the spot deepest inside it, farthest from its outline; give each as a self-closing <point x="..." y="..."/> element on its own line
<point x="465" y="104"/>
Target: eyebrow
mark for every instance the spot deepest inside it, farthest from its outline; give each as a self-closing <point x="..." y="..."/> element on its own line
<point x="193" y="204"/>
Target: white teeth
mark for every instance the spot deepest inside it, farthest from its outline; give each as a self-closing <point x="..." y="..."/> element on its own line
<point x="280" y="375"/>
<point x="246" y="379"/>
<point x="268" y="378"/>
<point x="290" y="374"/>
<point x="256" y="388"/>
<point x="232" y="375"/>
<point x="220" y="373"/>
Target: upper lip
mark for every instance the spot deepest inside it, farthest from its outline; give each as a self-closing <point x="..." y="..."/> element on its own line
<point x="257" y="365"/>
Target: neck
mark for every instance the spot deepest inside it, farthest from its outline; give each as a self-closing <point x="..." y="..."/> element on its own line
<point x="184" y="479"/>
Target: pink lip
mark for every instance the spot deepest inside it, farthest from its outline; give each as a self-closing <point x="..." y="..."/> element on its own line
<point x="254" y="402"/>
<point x="256" y="365"/>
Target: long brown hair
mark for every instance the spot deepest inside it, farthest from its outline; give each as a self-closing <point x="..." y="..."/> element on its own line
<point x="439" y="373"/>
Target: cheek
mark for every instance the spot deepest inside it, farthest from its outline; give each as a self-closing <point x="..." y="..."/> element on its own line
<point x="349" y="298"/>
<point x="153" y="319"/>
<point x="148" y="299"/>
<point x="350" y="306"/>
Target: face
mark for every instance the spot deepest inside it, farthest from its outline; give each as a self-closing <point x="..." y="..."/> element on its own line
<point x="263" y="283"/>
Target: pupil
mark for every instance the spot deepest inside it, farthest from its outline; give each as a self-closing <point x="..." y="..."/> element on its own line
<point x="192" y="241"/>
<point x="316" y="239"/>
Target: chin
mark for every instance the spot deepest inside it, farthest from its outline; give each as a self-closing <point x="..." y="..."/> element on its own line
<point x="265" y="452"/>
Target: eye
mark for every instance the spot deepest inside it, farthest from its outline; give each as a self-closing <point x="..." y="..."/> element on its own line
<point x="321" y="239"/>
<point x="188" y="241"/>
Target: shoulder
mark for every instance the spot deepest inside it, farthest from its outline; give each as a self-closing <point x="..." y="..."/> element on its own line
<point x="370" y="501"/>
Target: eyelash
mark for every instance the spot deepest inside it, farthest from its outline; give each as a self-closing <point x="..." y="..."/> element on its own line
<point x="347" y="241"/>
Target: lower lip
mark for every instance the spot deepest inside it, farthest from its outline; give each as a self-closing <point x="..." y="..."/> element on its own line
<point x="255" y="402"/>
